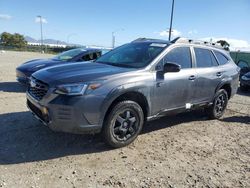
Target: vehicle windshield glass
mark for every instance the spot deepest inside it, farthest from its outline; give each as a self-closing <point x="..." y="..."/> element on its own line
<point x="242" y="64"/>
<point x="132" y="55"/>
<point x="68" y="55"/>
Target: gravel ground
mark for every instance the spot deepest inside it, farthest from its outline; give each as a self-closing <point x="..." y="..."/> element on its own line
<point x="186" y="150"/>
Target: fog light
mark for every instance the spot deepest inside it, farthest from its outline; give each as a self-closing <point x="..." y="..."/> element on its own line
<point x="44" y="111"/>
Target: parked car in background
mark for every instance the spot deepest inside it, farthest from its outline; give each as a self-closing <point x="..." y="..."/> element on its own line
<point x="245" y="82"/>
<point x="24" y="71"/>
<point x="136" y="82"/>
<point x="244" y="75"/>
<point x="244" y="67"/>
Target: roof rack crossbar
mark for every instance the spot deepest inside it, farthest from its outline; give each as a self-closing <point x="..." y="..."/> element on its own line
<point x="191" y="41"/>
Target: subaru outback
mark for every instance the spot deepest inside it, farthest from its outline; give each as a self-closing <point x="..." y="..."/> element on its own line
<point x="132" y="84"/>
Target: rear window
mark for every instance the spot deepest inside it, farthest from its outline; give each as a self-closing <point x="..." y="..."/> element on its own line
<point x="204" y="58"/>
<point x="221" y="58"/>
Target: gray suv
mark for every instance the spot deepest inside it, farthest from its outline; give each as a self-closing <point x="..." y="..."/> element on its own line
<point x="134" y="83"/>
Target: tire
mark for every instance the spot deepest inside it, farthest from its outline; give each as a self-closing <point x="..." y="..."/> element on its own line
<point x="219" y="105"/>
<point x="123" y="124"/>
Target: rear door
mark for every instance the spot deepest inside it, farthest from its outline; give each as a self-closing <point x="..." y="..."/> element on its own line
<point x="208" y="75"/>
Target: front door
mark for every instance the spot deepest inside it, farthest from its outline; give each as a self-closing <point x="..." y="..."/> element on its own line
<point x="174" y="90"/>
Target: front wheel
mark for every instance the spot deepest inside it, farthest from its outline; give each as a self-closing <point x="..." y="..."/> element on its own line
<point x="123" y="124"/>
<point x="219" y="105"/>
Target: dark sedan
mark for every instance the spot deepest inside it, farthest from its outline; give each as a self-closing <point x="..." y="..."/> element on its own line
<point x="244" y="67"/>
<point x="244" y="75"/>
<point x="24" y="71"/>
<point x="245" y="82"/>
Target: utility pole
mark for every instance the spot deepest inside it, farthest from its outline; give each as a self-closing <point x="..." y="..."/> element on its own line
<point x="171" y="21"/>
<point x="113" y="36"/>
<point x="113" y="39"/>
<point x="69" y="36"/>
<point x="41" y="27"/>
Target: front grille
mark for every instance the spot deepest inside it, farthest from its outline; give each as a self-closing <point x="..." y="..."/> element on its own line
<point x="37" y="89"/>
<point x="36" y="110"/>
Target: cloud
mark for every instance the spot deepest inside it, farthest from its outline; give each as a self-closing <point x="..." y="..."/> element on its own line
<point x="235" y="44"/>
<point x="5" y="17"/>
<point x="175" y="33"/>
<point x="193" y="32"/>
<point x="37" y="20"/>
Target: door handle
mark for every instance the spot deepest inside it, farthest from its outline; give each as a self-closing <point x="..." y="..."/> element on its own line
<point x="159" y="84"/>
<point x="218" y="74"/>
<point x="192" y="77"/>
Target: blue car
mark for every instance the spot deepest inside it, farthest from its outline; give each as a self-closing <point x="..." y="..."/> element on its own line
<point x="245" y="82"/>
<point x="24" y="71"/>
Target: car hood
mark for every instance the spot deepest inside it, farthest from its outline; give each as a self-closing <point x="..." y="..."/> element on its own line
<point x="78" y="73"/>
<point x="38" y="64"/>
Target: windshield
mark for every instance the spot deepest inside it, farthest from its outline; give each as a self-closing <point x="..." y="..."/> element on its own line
<point x="68" y="55"/>
<point x="132" y="55"/>
<point x="242" y="64"/>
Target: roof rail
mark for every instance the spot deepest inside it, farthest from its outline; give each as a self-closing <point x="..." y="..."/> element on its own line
<point x="191" y="41"/>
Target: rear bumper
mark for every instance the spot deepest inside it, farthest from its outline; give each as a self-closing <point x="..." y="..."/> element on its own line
<point x="61" y="118"/>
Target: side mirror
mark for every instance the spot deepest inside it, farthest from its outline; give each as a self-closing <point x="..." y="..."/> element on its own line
<point x="171" y="67"/>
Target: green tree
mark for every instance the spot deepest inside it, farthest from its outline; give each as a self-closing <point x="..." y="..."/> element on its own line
<point x="6" y="38"/>
<point x="15" y="40"/>
<point x="18" y="41"/>
<point x="224" y="44"/>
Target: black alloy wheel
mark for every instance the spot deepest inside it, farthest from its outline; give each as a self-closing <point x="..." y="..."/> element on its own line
<point x="123" y="124"/>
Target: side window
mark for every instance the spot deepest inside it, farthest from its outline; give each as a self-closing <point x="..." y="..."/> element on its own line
<point x="85" y="57"/>
<point x="91" y="56"/>
<point x="181" y="56"/>
<point x="204" y="58"/>
<point x="98" y="54"/>
<point x="214" y="61"/>
<point x="221" y="58"/>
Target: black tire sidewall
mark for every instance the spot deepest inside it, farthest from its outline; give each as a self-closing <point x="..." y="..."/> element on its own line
<point x="107" y="127"/>
<point x="213" y="112"/>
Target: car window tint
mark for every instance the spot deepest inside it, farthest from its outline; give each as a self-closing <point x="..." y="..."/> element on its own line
<point x="98" y="54"/>
<point x="242" y="64"/>
<point x="179" y="55"/>
<point x="221" y="58"/>
<point x="214" y="61"/>
<point x="204" y="58"/>
<point x="86" y="57"/>
<point x="133" y="55"/>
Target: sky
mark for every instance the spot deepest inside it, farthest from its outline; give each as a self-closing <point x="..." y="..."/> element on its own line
<point x="92" y="22"/>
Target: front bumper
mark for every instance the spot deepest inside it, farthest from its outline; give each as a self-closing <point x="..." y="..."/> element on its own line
<point x="61" y="117"/>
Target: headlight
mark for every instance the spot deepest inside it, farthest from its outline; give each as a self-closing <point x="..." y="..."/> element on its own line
<point x="76" y="89"/>
<point x="245" y="78"/>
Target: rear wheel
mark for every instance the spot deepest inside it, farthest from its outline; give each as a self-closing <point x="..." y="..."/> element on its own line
<point x="123" y="124"/>
<point x="218" y="108"/>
